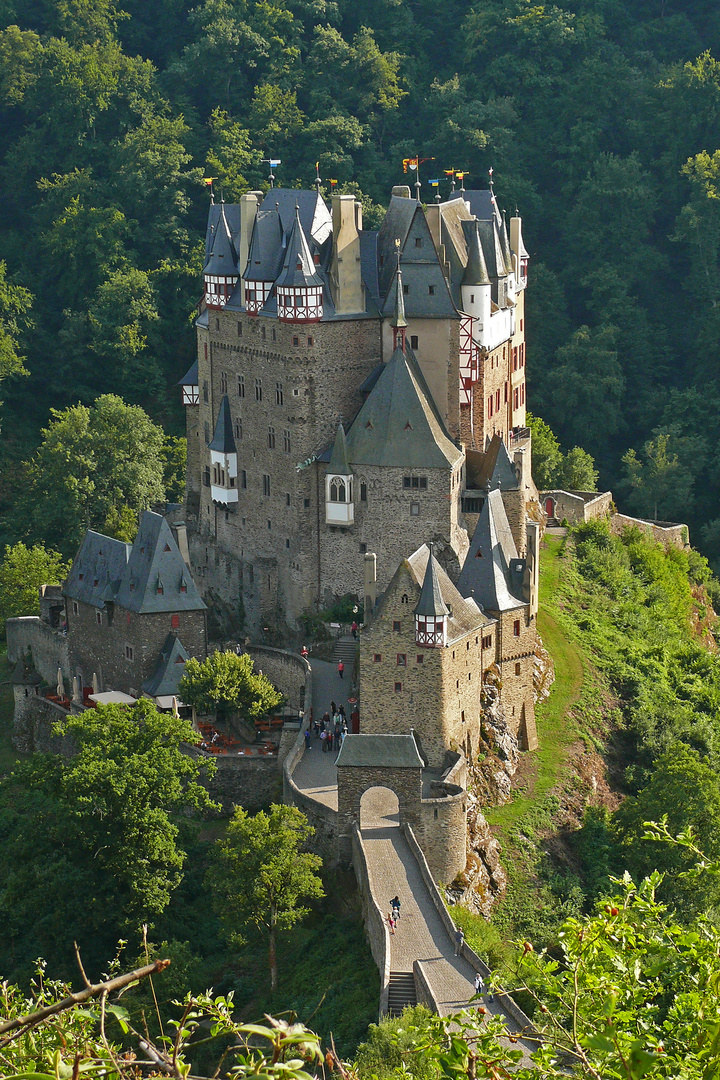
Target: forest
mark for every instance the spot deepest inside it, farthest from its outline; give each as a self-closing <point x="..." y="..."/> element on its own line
<point x="599" y="118"/>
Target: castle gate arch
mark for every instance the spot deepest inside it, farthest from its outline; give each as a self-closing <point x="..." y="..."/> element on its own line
<point x="390" y="763"/>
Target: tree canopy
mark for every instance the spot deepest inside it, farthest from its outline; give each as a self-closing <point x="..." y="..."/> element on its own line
<point x="261" y="877"/>
<point x="22" y="571"/>
<point x="226" y="682"/>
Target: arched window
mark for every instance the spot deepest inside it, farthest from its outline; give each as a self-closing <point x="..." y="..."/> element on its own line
<point x="337" y="490"/>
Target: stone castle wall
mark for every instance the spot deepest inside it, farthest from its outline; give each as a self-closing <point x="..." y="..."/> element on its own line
<point x="49" y="647"/>
<point x="285" y="670"/>
<point x="98" y="645"/>
<point x="671" y="534"/>
<point x="33" y="722"/>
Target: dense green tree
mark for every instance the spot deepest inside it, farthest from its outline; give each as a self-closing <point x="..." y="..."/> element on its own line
<point x="578" y="471"/>
<point x="226" y="683"/>
<point x="22" y="571"/>
<point x="260" y="876"/>
<point x="91" y="465"/>
<point x="89" y="843"/>
<point x="659" y="484"/>
<point x="15" y="304"/>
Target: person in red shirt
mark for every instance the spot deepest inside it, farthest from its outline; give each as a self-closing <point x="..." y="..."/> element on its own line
<point x="341" y="668"/>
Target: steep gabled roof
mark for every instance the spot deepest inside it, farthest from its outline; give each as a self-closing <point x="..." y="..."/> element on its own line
<point x="170" y="669"/>
<point x="266" y="247"/>
<point x="97" y="569"/>
<point x="395" y="226"/>
<point x="156" y="577"/>
<point x="426" y="292"/>
<point x="485" y="575"/>
<point x="223" y="441"/>
<point x="464" y="615"/>
<point x="339" y="465"/>
<point x="398" y="425"/>
<point x="431" y="600"/>
<point x="298" y="268"/>
<point x="492" y="248"/>
<point x="223" y="259"/>
<point x="505" y="245"/>
<point x="232" y="217"/>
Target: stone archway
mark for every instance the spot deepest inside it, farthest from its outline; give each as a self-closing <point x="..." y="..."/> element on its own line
<point x="379" y="808"/>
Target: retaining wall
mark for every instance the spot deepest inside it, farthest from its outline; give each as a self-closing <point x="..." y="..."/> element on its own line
<point x="33" y="724"/>
<point x="49" y="647"/>
<point x="669" y="533"/>
<point x="376" y="928"/>
<point x="285" y="670"/>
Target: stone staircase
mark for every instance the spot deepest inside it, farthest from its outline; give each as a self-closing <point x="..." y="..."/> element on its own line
<point x="401" y="992"/>
<point x="345" y="649"/>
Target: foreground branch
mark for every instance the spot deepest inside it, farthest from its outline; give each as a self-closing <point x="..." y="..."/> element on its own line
<point x="91" y="991"/>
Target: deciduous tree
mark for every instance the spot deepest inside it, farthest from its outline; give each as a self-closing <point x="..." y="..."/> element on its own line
<point x="261" y="877"/>
<point x="227" y="683"/>
<point x="22" y="571"/>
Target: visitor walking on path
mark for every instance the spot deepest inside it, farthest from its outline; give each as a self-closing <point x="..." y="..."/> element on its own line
<point x="341" y="668"/>
<point x="480" y="986"/>
<point x="395" y="906"/>
<point x="459" y="938"/>
<point x="354" y="629"/>
<point x="392" y="922"/>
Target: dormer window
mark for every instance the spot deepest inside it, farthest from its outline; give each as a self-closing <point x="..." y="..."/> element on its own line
<point x="338" y="490"/>
<point x="159" y="587"/>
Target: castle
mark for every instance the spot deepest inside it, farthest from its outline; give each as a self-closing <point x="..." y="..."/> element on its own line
<point x="357" y="395"/>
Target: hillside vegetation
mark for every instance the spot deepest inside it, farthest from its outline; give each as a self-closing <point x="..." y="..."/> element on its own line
<point x="634" y="722"/>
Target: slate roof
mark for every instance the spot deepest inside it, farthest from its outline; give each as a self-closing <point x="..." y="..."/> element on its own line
<point x="421" y="272"/>
<point x="232" y="217"/>
<point x="390" y="751"/>
<point x="492" y="248"/>
<point x="155" y="561"/>
<point x="266" y="247"/>
<point x="396" y="225"/>
<point x="498" y="468"/>
<point x="505" y="245"/>
<point x="223" y="441"/>
<point x="483" y="204"/>
<point x="369" y="262"/>
<point x="398" y="319"/>
<point x="97" y="569"/>
<point x="398" y="425"/>
<point x="339" y="461"/>
<point x="486" y="573"/>
<point x="464" y="615"/>
<point x="223" y="258"/>
<point x="298" y="268"/>
<point x="475" y="271"/>
<point x="170" y="669"/>
<point x="190" y="378"/>
<point x="431" y="600"/>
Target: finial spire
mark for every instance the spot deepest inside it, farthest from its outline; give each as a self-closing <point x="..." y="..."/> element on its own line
<point x="398" y="323"/>
<point x="318" y="180"/>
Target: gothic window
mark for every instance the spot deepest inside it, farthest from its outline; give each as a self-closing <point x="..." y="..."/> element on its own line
<point x="363" y="493"/>
<point x="258" y="389"/>
<point x="129" y="652"/>
<point x="98" y="618"/>
<point x="223" y="382"/>
<point x="238" y="429"/>
<point x="266" y="484"/>
<point x="241" y="386"/>
<point x="271" y="438"/>
<point x="286" y="441"/>
<point x="337" y="490"/>
<point x="243" y="479"/>
<point x="278" y="393"/>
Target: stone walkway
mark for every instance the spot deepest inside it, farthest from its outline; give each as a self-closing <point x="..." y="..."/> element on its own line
<point x="316" y="774"/>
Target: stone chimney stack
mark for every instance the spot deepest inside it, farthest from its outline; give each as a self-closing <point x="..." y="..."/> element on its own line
<point x="345" y="271"/>
<point x="249" y="205"/>
<point x="179" y="531"/>
<point x="370" y="588"/>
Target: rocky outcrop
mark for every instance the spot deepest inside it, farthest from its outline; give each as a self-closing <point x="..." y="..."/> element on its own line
<point x="483" y="880"/>
<point x="543" y="671"/>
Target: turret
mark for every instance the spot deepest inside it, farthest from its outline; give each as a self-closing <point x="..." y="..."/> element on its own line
<point x="299" y="286"/>
<point x="431" y="613"/>
<point x="223" y="458"/>
<point x="221" y="273"/>
<point x="262" y="262"/>
<point x="475" y="287"/>
<point x="339" y="505"/>
<point x="520" y="255"/>
<point x="190" y="386"/>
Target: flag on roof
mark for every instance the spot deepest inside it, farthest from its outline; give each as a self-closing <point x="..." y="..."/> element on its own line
<point x="433" y="183"/>
<point x="409" y="163"/>
<point x="274" y="161"/>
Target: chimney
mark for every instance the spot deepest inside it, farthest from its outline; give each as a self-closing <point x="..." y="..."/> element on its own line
<point x="249" y="205"/>
<point x="345" y="270"/>
<point x="401" y="190"/>
<point x="179" y="531"/>
<point x="370" y="588"/>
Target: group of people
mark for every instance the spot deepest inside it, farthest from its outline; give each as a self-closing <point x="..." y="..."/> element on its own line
<point x="394" y="914"/>
<point x="332" y="728"/>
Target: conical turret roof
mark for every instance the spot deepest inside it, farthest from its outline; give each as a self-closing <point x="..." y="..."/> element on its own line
<point x="223" y="260"/>
<point x="265" y="247"/>
<point x="431" y="600"/>
<point x="476" y="270"/>
<point x="298" y="268"/>
<point x="505" y="244"/>
<point x="339" y="464"/>
<point x="223" y="441"/>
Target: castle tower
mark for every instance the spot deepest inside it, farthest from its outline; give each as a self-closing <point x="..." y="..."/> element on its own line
<point x="299" y="285"/>
<point x="221" y="272"/>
